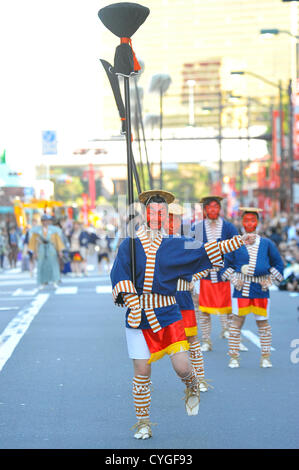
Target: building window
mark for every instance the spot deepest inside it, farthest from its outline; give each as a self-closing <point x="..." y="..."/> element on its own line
<point x="120" y="186"/>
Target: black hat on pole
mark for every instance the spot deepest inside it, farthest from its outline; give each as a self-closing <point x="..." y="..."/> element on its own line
<point x="123" y="20"/>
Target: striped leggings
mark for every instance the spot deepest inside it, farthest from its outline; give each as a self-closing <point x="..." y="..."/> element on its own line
<point x="205" y="323"/>
<point x="234" y="340"/>
<point x="141" y="396"/>
<point x="196" y="359"/>
<point x="142" y="392"/>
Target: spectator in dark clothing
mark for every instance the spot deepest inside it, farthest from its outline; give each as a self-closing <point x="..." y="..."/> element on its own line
<point x="275" y="236"/>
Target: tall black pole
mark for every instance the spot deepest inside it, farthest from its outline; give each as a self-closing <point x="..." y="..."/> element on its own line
<point x="144" y="140"/>
<point x="241" y="173"/>
<point x="161" y="139"/>
<point x="282" y="182"/>
<point x="248" y="144"/>
<point x="130" y="174"/>
<point x="220" y="138"/>
<point x="113" y="79"/>
<point x="291" y="148"/>
<point x="136" y="125"/>
<point x="123" y="20"/>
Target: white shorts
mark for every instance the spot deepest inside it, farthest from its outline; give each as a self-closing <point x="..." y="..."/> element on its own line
<point x="235" y="310"/>
<point x="137" y="347"/>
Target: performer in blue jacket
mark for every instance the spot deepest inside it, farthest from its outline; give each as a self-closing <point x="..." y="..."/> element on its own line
<point x="154" y="325"/>
<point x="252" y="272"/>
<point x="214" y="293"/>
<point x="185" y="302"/>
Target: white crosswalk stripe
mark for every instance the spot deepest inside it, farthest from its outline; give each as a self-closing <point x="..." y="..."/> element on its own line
<point x="23" y="292"/>
<point x="8" y="308"/>
<point x="60" y="290"/>
<point x="66" y="290"/>
<point x="14" y="331"/>
<point x="104" y="290"/>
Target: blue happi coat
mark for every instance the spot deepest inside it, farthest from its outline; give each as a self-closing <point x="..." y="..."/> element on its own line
<point x="225" y="230"/>
<point x="268" y="262"/>
<point x="172" y="261"/>
<point x="183" y="295"/>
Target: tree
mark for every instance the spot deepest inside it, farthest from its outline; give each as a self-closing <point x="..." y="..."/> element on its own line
<point x="189" y="182"/>
<point x="68" y="191"/>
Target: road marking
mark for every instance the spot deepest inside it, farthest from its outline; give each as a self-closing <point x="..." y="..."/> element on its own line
<point x="8" y="281"/>
<point x="17" y="327"/>
<point x="6" y="292"/>
<point x="9" y="308"/>
<point x="62" y="290"/>
<point x="103" y="289"/>
<point x="14" y="299"/>
<point x="20" y="291"/>
<point x="66" y="290"/>
<point x="82" y="280"/>
<point x="253" y="338"/>
<point x="17" y="292"/>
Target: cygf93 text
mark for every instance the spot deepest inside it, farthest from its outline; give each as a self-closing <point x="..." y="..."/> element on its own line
<point x="170" y="459"/>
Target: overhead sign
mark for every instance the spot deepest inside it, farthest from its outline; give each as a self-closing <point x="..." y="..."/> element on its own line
<point x="49" y="142"/>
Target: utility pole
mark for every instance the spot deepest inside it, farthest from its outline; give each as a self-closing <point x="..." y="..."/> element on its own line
<point x="291" y="147"/>
<point x="220" y="107"/>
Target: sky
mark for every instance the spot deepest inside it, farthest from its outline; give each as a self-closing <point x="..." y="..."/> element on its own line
<point x="50" y="75"/>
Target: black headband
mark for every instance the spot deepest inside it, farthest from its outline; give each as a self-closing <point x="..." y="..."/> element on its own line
<point x="156" y="198"/>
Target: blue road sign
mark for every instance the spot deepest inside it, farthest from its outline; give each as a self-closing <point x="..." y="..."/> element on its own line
<point x="49" y="142"/>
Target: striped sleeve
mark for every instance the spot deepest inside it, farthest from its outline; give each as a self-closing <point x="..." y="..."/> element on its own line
<point x="227" y="274"/>
<point x="183" y="286"/>
<point x="123" y="287"/>
<point x="232" y="244"/>
<point x="134" y="316"/>
<point x="130" y="299"/>
<point x="200" y="275"/>
<point x="275" y="274"/>
<point x="214" y="254"/>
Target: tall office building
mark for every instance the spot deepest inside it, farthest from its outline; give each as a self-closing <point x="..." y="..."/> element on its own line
<point x="204" y="41"/>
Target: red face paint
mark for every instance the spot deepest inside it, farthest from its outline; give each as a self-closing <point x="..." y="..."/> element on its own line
<point x="212" y="210"/>
<point x="156" y="215"/>
<point x="173" y="224"/>
<point x="249" y="222"/>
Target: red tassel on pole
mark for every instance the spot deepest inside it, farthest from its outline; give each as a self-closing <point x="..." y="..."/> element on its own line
<point x="137" y="66"/>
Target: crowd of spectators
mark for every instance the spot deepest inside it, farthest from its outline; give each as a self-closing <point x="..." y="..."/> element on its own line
<point x="82" y="241"/>
<point x="10" y="246"/>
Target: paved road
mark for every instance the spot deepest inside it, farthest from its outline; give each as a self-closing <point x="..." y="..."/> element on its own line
<point x="65" y="379"/>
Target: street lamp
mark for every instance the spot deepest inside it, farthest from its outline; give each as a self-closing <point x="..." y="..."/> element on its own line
<point x="160" y="84"/>
<point x="291" y="145"/>
<point x="275" y="32"/>
<point x="249" y="101"/>
<point x="279" y="86"/>
<point x="220" y="136"/>
<point x="191" y="85"/>
<point x="220" y="107"/>
<point x="291" y="89"/>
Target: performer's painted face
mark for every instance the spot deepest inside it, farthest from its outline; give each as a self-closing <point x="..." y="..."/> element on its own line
<point x="212" y="210"/>
<point x="173" y="224"/>
<point x="249" y="222"/>
<point x="156" y="215"/>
